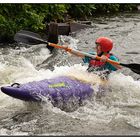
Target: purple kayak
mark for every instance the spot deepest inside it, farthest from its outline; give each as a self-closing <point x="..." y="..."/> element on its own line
<point x="60" y="89"/>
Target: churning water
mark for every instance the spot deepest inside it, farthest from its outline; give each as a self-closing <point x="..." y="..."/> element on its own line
<point x="116" y="112"/>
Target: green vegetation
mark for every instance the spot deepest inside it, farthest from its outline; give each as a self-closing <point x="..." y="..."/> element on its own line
<point x="14" y="17"/>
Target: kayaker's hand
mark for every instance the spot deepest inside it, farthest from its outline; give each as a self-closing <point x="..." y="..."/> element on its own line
<point x="66" y="47"/>
<point x="103" y="58"/>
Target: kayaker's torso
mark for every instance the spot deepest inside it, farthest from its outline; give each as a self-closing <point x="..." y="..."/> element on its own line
<point x="101" y="65"/>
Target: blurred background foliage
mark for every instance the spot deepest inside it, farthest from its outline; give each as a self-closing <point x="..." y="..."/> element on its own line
<point x="32" y="17"/>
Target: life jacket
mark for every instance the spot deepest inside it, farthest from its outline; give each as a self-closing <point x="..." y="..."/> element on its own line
<point x="98" y="63"/>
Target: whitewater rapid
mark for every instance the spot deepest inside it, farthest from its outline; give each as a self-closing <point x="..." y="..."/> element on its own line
<point x="117" y="112"/>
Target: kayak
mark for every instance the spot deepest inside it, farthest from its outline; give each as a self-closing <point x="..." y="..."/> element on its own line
<point x="59" y="89"/>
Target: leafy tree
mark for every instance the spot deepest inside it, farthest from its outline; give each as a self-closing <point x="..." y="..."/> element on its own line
<point x="33" y="17"/>
<point x="81" y="10"/>
<point x="14" y="17"/>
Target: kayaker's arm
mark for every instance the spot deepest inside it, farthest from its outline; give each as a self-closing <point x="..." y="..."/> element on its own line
<point x="111" y="66"/>
<point x="72" y="51"/>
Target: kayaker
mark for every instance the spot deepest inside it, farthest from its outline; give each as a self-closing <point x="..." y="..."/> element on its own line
<point x="103" y="47"/>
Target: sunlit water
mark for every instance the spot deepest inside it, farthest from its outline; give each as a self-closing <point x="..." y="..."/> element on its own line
<point x="116" y="112"/>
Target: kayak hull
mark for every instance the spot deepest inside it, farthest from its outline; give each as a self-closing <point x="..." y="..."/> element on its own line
<point x="60" y="89"/>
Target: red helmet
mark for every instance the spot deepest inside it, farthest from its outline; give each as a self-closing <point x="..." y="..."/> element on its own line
<point x="105" y="43"/>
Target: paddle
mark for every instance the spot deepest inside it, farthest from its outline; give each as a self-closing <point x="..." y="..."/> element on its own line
<point x="30" y="38"/>
<point x="21" y="37"/>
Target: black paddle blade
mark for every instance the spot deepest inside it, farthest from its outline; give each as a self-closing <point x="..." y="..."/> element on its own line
<point x="134" y="67"/>
<point x="27" y="37"/>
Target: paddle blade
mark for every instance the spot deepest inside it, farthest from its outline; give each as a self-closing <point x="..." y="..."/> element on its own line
<point x="134" y="67"/>
<point x="28" y="37"/>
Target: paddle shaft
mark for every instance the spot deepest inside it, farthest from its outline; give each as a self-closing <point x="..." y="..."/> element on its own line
<point x="73" y="51"/>
<point x="82" y="54"/>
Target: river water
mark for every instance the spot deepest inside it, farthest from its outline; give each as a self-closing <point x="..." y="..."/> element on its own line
<point x="116" y="113"/>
